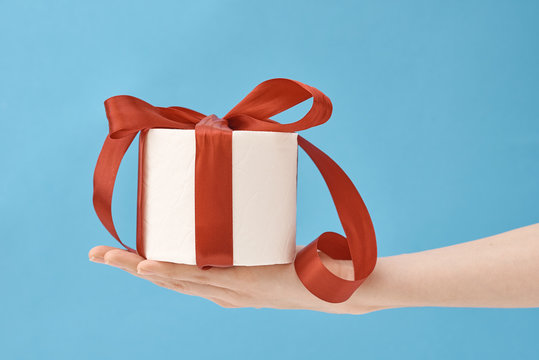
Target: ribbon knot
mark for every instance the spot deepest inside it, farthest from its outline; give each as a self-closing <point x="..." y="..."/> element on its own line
<point x="128" y="115"/>
<point x="214" y="122"/>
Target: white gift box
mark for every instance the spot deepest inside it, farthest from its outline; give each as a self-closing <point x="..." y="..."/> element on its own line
<point x="264" y="183"/>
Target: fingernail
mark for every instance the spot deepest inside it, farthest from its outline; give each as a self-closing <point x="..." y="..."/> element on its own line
<point x="96" y="259"/>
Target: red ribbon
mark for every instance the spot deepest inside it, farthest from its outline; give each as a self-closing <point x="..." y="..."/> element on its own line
<point x="213" y="179"/>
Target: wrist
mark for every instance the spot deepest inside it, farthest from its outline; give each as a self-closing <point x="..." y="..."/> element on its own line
<point x="380" y="290"/>
<point x="375" y="293"/>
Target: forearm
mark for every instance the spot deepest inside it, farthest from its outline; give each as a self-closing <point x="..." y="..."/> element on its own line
<point x="497" y="271"/>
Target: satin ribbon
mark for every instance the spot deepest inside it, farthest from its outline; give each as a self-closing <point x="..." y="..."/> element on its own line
<point x="128" y="115"/>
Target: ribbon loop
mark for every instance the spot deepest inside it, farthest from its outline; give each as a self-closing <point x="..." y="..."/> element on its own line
<point x="273" y="97"/>
<point x="213" y="178"/>
<point x="128" y="115"/>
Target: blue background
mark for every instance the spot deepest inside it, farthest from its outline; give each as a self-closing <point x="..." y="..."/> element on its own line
<point x="435" y="118"/>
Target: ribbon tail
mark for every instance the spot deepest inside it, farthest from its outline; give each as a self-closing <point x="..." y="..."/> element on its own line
<point x="359" y="245"/>
<point x="105" y="172"/>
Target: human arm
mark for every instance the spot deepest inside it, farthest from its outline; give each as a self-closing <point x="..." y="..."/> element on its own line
<point x="496" y="271"/>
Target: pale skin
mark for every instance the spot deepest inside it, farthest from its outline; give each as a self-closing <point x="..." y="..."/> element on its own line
<point x="500" y="271"/>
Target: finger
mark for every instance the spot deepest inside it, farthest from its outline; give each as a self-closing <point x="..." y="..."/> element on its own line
<point x="196" y="289"/>
<point x="130" y="262"/>
<point x="126" y="262"/>
<point x="217" y="294"/>
<point x="97" y="254"/>
<point x="213" y="276"/>
<point x="123" y="259"/>
<point x="224" y="303"/>
<point x="186" y="287"/>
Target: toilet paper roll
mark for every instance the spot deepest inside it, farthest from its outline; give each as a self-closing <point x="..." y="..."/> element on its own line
<point x="264" y="183"/>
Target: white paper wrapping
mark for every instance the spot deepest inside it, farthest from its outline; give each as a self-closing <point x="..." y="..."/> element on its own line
<point x="264" y="183"/>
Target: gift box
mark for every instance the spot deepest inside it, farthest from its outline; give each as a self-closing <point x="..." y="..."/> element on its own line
<point x="218" y="192"/>
<point x="264" y="181"/>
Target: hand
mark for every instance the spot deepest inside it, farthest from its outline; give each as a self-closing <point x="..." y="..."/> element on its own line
<point x="273" y="286"/>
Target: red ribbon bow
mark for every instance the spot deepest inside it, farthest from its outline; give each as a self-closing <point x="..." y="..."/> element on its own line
<point x="213" y="181"/>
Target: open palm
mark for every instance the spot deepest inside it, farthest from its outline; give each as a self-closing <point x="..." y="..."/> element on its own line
<point x="273" y="286"/>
